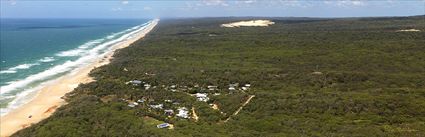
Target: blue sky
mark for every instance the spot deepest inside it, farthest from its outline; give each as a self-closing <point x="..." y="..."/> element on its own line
<point x="208" y="8"/>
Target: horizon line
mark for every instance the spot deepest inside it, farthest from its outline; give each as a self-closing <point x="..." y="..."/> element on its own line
<point x="218" y="17"/>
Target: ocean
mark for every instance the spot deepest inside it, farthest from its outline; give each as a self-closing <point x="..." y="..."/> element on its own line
<point x="34" y="52"/>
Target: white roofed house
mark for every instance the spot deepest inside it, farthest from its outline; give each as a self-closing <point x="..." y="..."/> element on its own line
<point x="173" y="86"/>
<point x="159" y="106"/>
<point x="202" y="97"/>
<point x="183" y="112"/>
<point x="233" y="86"/>
<point x="210" y="87"/>
<point x="141" y="100"/>
<point x="246" y="86"/>
<point x="133" y="104"/>
<point x="163" y="125"/>
<point x="169" y="112"/>
<point x="134" y="82"/>
<point x="147" y="86"/>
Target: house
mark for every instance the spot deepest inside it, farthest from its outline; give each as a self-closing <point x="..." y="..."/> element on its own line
<point x="247" y="85"/>
<point x="159" y="106"/>
<point x="163" y="125"/>
<point x="134" y="82"/>
<point x="183" y="112"/>
<point x="141" y="100"/>
<point x="244" y="88"/>
<point x="176" y="103"/>
<point x="173" y="86"/>
<point x="133" y="104"/>
<point x="147" y="86"/>
<point x="234" y="85"/>
<point x="212" y="87"/>
<point x="169" y="112"/>
<point x="202" y="97"/>
<point x="168" y="101"/>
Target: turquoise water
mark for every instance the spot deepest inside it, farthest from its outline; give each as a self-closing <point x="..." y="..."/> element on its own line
<point x="35" y="51"/>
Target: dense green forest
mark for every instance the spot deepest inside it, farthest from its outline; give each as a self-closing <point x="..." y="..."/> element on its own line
<point x="310" y="77"/>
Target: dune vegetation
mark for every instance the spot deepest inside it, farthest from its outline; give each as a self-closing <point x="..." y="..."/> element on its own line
<point x="303" y="76"/>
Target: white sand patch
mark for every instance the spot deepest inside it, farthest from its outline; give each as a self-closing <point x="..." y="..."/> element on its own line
<point x="408" y="30"/>
<point x="72" y="86"/>
<point x="253" y="23"/>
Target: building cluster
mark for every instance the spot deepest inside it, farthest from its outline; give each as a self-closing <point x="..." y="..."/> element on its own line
<point x="182" y="112"/>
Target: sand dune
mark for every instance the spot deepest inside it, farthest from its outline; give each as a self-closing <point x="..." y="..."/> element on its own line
<point x="251" y="23"/>
<point x="408" y="30"/>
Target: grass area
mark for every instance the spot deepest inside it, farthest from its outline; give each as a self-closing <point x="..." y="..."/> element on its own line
<point x="310" y="77"/>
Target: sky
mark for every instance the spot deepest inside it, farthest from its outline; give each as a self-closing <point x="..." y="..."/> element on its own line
<point x="207" y="8"/>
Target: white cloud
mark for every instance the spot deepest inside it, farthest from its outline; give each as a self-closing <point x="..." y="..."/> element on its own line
<point x="124" y="2"/>
<point x="215" y="3"/>
<point x="291" y="3"/>
<point x="12" y="2"/>
<point x="346" y="3"/>
<point x="147" y="8"/>
<point x="249" y="1"/>
<point x="116" y="9"/>
<point x="190" y="6"/>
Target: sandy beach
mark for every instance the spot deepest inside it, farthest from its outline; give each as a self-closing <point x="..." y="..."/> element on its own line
<point x="48" y="99"/>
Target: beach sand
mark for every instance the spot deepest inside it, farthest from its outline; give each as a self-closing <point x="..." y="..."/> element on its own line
<point x="48" y="99"/>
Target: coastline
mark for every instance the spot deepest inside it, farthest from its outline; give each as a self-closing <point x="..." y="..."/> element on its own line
<point x="48" y="98"/>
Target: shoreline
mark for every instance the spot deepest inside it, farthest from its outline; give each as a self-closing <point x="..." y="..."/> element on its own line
<point x="49" y="98"/>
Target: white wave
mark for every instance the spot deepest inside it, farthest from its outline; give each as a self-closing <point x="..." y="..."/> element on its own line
<point x="7" y="71"/>
<point x="91" y="55"/>
<point x="27" y="94"/>
<point x="127" y="30"/>
<point x="20" y="99"/>
<point x="47" y="59"/>
<point x="80" y="50"/>
<point x="90" y="43"/>
<point x="16" y="68"/>
<point x="24" y="66"/>
<point x="4" y="97"/>
<point x="71" y="53"/>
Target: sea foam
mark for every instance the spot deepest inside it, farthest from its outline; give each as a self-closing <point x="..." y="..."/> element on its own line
<point x="80" y="50"/>
<point x="47" y="59"/>
<point x="27" y="93"/>
<point x="16" y="68"/>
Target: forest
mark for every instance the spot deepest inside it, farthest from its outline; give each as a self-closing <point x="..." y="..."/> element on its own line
<point x="297" y="77"/>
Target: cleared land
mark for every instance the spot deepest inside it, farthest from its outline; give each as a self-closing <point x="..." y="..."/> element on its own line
<point x="310" y="77"/>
